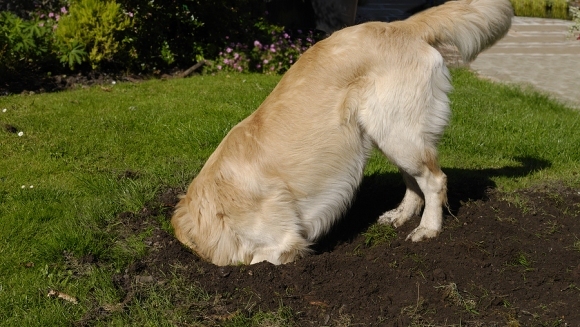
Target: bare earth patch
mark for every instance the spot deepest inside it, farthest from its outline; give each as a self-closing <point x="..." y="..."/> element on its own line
<point x="498" y="262"/>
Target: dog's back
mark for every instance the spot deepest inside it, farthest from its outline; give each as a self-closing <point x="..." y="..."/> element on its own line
<point x="286" y="173"/>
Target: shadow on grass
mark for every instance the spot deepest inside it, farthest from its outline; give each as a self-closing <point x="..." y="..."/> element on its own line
<point x="382" y="192"/>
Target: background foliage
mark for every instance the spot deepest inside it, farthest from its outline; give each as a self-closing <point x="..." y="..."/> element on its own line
<point x="542" y="8"/>
<point x="93" y="26"/>
<point x="148" y="36"/>
<point x="44" y="37"/>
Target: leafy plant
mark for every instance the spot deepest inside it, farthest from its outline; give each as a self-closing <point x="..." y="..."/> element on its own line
<point x="526" y="7"/>
<point x="29" y="9"/>
<point x="95" y="24"/>
<point x="559" y="9"/>
<point x="72" y="53"/>
<point x="575" y="29"/>
<point x="541" y="8"/>
<point x="166" y="53"/>
<point x="22" y="43"/>
<point x="274" y="55"/>
<point x="181" y="32"/>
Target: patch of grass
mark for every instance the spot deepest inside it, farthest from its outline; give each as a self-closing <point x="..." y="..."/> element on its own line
<point x="551" y="227"/>
<point x="283" y="317"/>
<point x="520" y="201"/>
<point x="516" y="137"/>
<point x="576" y="245"/>
<point x="524" y="261"/>
<point x="85" y="157"/>
<point x="90" y="155"/>
<point x="379" y="234"/>
<point x="452" y="294"/>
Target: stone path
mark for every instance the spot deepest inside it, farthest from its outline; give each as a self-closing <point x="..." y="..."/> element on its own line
<point x="537" y="52"/>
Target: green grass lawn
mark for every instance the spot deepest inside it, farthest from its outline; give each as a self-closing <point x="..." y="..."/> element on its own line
<point x="65" y="179"/>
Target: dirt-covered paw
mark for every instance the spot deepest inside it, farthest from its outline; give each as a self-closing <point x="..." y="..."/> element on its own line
<point x="393" y="217"/>
<point x="422" y="233"/>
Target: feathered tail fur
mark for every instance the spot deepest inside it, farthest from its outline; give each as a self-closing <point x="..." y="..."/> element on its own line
<point x="470" y="25"/>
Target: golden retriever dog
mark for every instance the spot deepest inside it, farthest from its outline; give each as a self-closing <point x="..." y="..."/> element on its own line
<point x="285" y="174"/>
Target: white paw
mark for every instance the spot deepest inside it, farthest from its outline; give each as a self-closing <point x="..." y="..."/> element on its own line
<point x="393" y="217"/>
<point x="422" y="233"/>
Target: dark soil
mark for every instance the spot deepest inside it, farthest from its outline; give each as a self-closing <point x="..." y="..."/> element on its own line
<point x="501" y="260"/>
<point x="498" y="262"/>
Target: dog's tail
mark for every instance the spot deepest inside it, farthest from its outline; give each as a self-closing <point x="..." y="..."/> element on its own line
<point x="470" y="25"/>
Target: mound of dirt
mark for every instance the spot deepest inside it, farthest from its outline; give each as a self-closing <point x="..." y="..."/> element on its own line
<point x="496" y="263"/>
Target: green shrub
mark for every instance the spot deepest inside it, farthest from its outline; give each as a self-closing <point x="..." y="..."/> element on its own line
<point x="559" y="9"/>
<point x="171" y="33"/>
<point x="530" y="8"/>
<point x="151" y="36"/>
<point x="541" y="8"/>
<point x="24" y="44"/>
<point x="274" y="54"/>
<point x="575" y="29"/>
<point x="95" y="25"/>
<point x="28" y="9"/>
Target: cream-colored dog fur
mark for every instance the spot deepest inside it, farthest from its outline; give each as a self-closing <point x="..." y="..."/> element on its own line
<point x="285" y="174"/>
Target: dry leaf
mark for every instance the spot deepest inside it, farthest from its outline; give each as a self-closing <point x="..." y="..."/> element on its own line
<point x="60" y="295"/>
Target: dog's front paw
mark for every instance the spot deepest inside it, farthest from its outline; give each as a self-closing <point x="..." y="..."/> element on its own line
<point x="422" y="233"/>
<point x="393" y="217"/>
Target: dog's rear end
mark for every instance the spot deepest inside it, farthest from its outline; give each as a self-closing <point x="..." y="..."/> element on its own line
<point x="282" y="176"/>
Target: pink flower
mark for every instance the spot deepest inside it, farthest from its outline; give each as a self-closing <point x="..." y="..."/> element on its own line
<point x="50" y="15"/>
<point x="63" y="10"/>
<point x="265" y="61"/>
<point x="57" y="17"/>
<point x="257" y="43"/>
<point x="130" y="14"/>
<point x="228" y="50"/>
<point x="219" y="67"/>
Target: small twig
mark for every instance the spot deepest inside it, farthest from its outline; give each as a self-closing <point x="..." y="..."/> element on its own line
<point x="60" y="295"/>
<point x="191" y="69"/>
<point x="131" y="79"/>
<point x="418" y="299"/>
<point x="449" y="210"/>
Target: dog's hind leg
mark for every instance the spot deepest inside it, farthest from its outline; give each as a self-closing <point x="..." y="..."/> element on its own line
<point x="411" y="205"/>
<point x="405" y="117"/>
<point x="433" y="184"/>
<point x="426" y="183"/>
